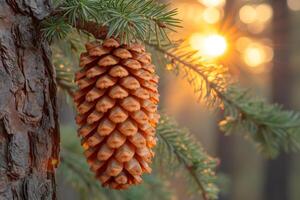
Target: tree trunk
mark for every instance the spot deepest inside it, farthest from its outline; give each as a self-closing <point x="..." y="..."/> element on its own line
<point x="29" y="136"/>
<point x="277" y="171"/>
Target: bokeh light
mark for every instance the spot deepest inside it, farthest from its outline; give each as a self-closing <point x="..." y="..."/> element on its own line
<point x="247" y="14"/>
<point x="253" y="56"/>
<point x="256" y="27"/>
<point x="211" y="15"/>
<point x="242" y="43"/>
<point x="189" y="13"/>
<point x="260" y="13"/>
<point x="215" y="45"/>
<point x="256" y="54"/>
<point x="211" y="46"/>
<point x="264" y="12"/>
<point x="294" y="5"/>
<point x="213" y="3"/>
<point x="269" y="53"/>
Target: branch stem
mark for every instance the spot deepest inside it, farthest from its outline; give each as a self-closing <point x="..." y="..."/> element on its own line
<point x="189" y="168"/>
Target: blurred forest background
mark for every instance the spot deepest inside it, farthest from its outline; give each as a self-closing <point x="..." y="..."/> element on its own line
<point x="259" y="42"/>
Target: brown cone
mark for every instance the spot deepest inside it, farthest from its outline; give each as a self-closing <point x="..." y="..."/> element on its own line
<point x="117" y="111"/>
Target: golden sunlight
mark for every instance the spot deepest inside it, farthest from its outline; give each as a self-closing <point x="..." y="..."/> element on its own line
<point x="211" y="15"/>
<point x="261" y="13"/>
<point x="264" y="12"/>
<point x="211" y="46"/>
<point x="247" y="14"/>
<point x="254" y="56"/>
<point x="213" y="3"/>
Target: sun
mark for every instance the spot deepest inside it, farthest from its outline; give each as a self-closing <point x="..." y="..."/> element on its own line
<point x="214" y="45"/>
<point x="211" y="46"/>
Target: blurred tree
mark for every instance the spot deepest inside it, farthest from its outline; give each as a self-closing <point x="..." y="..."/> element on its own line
<point x="277" y="170"/>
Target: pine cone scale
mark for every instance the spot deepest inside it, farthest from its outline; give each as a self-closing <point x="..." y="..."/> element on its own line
<point x="117" y="111"/>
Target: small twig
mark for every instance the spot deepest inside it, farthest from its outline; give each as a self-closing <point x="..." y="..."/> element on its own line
<point x="97" y="30"/>
<point x="191" y="171"/>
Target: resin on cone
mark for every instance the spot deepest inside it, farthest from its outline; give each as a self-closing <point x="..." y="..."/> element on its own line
<point x="117" y="111"/>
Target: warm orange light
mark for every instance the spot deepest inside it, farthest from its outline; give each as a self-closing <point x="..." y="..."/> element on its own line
<point x="255" y="14"/>
<point x="211" y="15"/>
<point x="85" y="146"/>
<point x="242" y="43"/>
<point x="264" y="12"/>
<point x="256" y="27"/>
<point x="169" y="67"/>
<point x="247" y="14"/>
<point x="211" y="46"/>
<point x="269" y="53"/>
<point x="54" y="162"/>
<point x="189" y="13"/>
<point x="294" y="4"/>
<point x="213" y="3"/>
<point x="253" y="56"/>
<point x="254" y="53"/>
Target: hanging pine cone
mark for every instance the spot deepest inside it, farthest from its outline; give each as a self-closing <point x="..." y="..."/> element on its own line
<point x="117" y="111"/>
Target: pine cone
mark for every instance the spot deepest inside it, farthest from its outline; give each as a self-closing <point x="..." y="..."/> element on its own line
<point x="117" y="111"/>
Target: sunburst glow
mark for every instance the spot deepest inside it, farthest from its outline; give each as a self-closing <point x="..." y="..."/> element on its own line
<point x="211" y="15"/>
<point x="213" y="3"/>
<point x="212" y="46"/>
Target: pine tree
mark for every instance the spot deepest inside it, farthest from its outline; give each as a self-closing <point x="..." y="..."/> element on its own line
<point x="29" y="127"/>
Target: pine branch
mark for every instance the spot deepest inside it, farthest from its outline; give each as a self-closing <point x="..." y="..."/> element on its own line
<point x="97" y="30"/>
<point x="127" y="19"/>
<point x="64" y="79"/>
<point x="272" y="128"/>
<point x="55" y="28"/>
<point x="269" y="126"/>
<point x="65" y="58"/>
<point x="175" y="144"/>
<point x="209" y="81"/>
<point x="181" y="146"/>
<point x="183" y="150"/>
<point x="193" y="169"/>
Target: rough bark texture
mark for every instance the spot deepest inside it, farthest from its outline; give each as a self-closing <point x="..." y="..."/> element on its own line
<point x="29" y="137"/>
<point x="277" y="171"/>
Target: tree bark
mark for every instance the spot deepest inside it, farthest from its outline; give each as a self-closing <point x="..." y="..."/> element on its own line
<point x="29" y="132"/>
<point x="277" y="171"/>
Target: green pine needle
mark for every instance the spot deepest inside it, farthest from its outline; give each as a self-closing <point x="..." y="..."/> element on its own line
<point x="55" y="28"/>
<point x="207" y="80"/>
<point x="272" y="128"/>
<point x="183" y="150"/>
<point x="74" y="10"/>
<point x="128" y="20"/>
